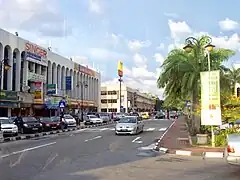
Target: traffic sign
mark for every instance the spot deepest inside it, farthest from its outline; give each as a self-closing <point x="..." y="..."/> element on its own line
<point x="62" y="104"/>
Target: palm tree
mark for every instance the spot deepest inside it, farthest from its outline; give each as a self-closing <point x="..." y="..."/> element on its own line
<point x="181" y="71"/>
<point x="233" y="77"/>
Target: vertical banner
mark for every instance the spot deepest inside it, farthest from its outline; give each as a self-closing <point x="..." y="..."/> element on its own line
<point x="120" y="68"/>
<point x="68" y="83"/>
<point x="38" y="92"/>
<point x="210" y="98"/>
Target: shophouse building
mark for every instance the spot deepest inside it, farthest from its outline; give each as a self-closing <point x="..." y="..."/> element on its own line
<point x="34" y="80"/>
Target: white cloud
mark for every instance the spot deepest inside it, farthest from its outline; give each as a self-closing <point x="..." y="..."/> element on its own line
<point x="179" y="29"/>
<point x="136" y="45"/>
<point x="228" y="25"/>
<point x="159" y="57"/>
<point x="232" y="42"/>
<point x="105" y="54"/>
<point x="45" y="21"/>
<point x="139" y="60"/>
<point x="95" y="6"/>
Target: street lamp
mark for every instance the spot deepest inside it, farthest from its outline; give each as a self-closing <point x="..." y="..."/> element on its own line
<point x="3" y="65"/>
<point x="205" y="40"/>
<point x="82" y="84"/>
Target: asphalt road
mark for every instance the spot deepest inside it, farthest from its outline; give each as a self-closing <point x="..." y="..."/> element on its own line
<point x="60" y="156"/>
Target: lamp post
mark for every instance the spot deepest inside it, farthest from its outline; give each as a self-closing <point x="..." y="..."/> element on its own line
<point x="206" y="40"/>
<point x="82" y="84"/>
<point x="3" y="66"/>
<point x="120" y="92"/>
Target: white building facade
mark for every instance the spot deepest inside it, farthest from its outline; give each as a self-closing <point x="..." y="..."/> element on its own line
<point x="39" y="78"/>
<point x="131" y="99"/>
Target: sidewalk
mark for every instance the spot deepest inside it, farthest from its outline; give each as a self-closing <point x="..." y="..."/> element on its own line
<point x="176" y="140"/>
<point x="176" y="137"/>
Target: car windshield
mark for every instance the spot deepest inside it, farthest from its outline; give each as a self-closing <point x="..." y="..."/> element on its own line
<point x="68" y="117"/>
<point x="55" y="118"/>
<point x="29" y="119"/>
<point x="5" y="121"/>
<point x="45" y="119"/>
<point x="128" y="120"/>
<point x="92" y="116"/>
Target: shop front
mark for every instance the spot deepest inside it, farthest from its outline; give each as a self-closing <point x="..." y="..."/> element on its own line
<point x="8" y="103"/>
<point x="25" y="101"/>
<point x="51" y="105"/>
<point x="75" y="106"/>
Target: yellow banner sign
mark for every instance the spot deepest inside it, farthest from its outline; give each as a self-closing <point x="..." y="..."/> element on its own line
<point x="120" y="68"/>
<point x="210" y="98"/>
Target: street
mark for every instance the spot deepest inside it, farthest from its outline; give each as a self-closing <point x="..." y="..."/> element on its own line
<point x="58" y="156"/>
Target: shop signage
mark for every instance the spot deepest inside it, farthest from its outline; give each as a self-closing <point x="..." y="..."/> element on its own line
<point x="36" y="53"/>
<point x="51" y="89"/>
<point x="8" y="104"/>
<point x="36" y="77"/>
<point x="8" y="96"/>
<point x="52" y="102"/>
<point x="83" y="69"/>
<point x="68" y="83"/>
<point x="38" y="92"/>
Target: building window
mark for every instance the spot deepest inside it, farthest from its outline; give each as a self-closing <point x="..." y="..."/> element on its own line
<point x="103" y="92"/>
<point x="103" y="101"/>
<point x="103" y="110"/>
<point x="112" y="110"/>
<point x="112" y="92"/>
<point x="112" y="101"/>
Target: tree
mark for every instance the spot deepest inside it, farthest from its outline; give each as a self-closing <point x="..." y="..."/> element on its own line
<point x="181" y="71"/>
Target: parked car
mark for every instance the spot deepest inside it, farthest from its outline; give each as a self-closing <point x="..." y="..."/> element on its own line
<point x="145" y="115"/>
<point x="28" y="124"/>
<point x="71" y="122"/>
<point x="104" y="116"/>
<point x="118" y="116"/>
<point x="129" y="125"/>
<point x="92" y="119"/>
<point x="50" y="123"/>
<point x="8" y="127"/>
<point x="160" y="115"/>
<point x="232" y="152"/>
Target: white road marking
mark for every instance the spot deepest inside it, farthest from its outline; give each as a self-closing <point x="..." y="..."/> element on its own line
<point x="97" y="137"/>
<point x="137" y="138"/>
<point x="138" y="142"/>
<point x="112" y="129"/>
<point x="103" y="129"/>
<point x="151" y="146"/>
<point x="150" y="129"/>
<point x="49" y="161"/>
<point x="28" y="149"/>
<point x="163" y="129"/>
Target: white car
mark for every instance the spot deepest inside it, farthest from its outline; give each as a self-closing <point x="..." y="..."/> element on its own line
<point x="8" y="127"/>
<point x="232" y="152"/>
<point x="71" y="121"/>
<point x="94" y="119"/>
<point x="129" y="125"/>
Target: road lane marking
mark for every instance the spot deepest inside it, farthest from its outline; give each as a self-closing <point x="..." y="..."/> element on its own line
<point x="166" y="131"/>
<point x="150" y="129"/>
<point x="49" y="161"/>
<point x="137" y="138"/>
<point x="112" y="129"/>
<point x="28" y="149"/>
<point x="103" y="129"/>
<point x="97" y="137"/>
<point x="163" y="129"/>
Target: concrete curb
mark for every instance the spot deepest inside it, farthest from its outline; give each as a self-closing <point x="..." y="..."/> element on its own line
<point x="30" y="136"/>
<point x="205" y="155"/>
<point x="157" y="145"/>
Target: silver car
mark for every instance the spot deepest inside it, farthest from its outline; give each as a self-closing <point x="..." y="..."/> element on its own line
<point x="129" y="125"/>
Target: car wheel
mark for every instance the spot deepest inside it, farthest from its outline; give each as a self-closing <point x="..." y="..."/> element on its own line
<point x="16" y="134"/>
<point x="116" y="134"/>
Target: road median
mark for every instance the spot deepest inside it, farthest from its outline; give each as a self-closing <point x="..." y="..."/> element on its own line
<point x="30" y="136"/>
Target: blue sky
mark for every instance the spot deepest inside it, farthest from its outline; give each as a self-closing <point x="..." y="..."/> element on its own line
<point x="138" y="32"/>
